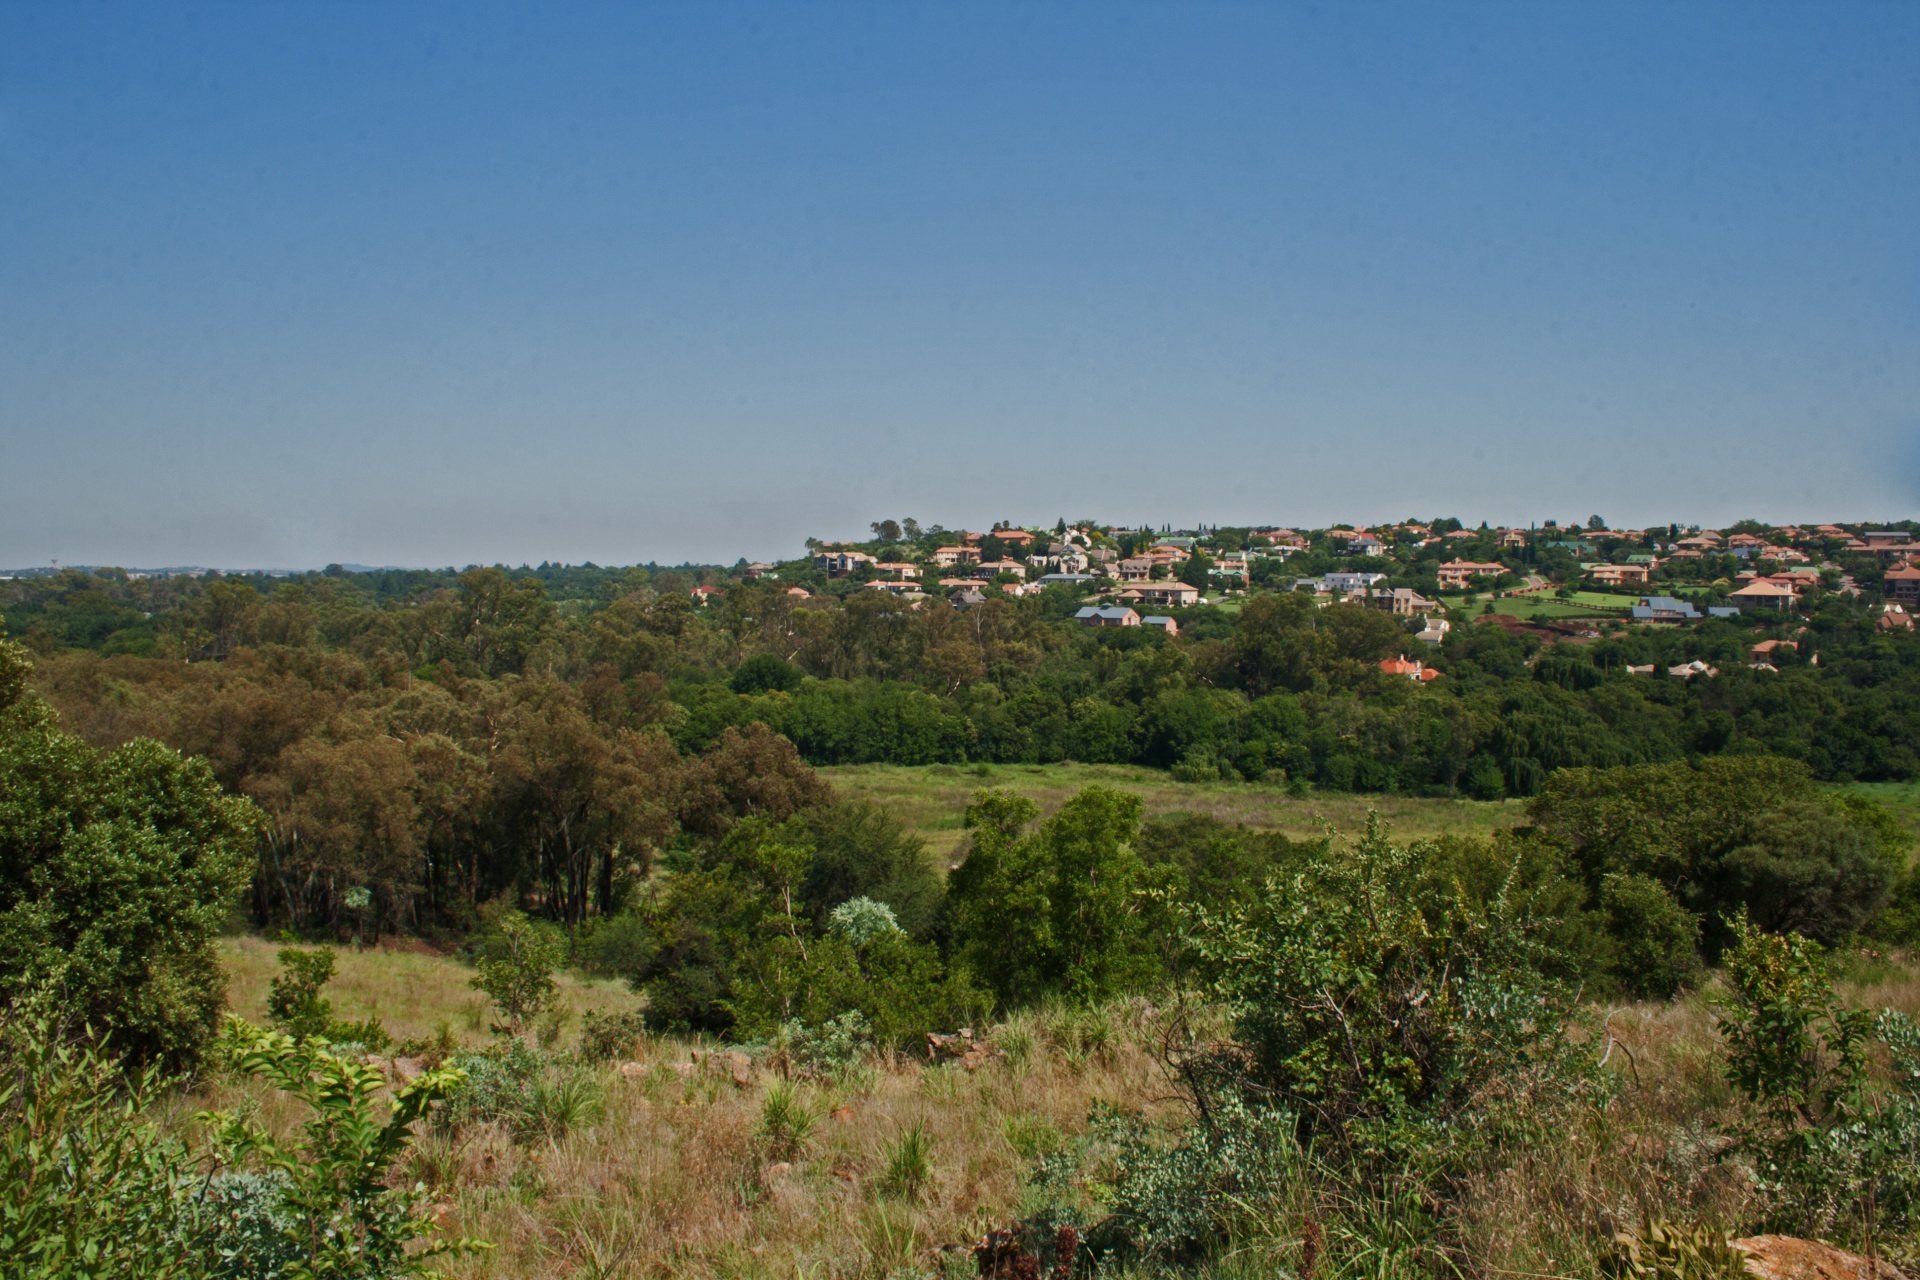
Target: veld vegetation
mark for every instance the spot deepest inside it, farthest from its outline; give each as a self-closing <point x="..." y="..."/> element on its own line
<point x="695" y="1011"/>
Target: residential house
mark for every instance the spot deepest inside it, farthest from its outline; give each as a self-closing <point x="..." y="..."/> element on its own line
<point x="966" y="598"/>
<point x="898" y="568"/>
<point x="1137" y="569"/>
<point x="1065" y="580"/>
<point x="1887" y="541"/>
<point x="1461" y="573"/>
<point x="1365" y="544"/>
<point x="1107" y="616"/>
<point x="899" y="587"/>
<point x="800" y="593"/>
<point x="994" y="567"/>
<point x="1663" y="611"/>
<point x="1412" y="670"/>
<point x="1903" y="583"/>
<point x="703" y="594"/>
<point x="1345" y="583"/>
<point x="1766" y="649"/>
<point x="1163" y="622"/>
<point x="1615" y="575"/>
<point x="838" y="564"/>
<point x="1402" y="602"/>
<point x="1177" y="595"/>
<point x="1722" y="611"/>
<point x="1435" y="632"/>
<point x="1895" y="618"/>
<point x="1688" y="670"/>
<point x="1018" y="539"/>
<point x="947" y="557"/>
<point x="1763" y="593"/>
<point x="1511" y="539"/>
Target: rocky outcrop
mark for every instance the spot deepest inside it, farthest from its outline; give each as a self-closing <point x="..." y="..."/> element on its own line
<point x="1791" y="1258"/>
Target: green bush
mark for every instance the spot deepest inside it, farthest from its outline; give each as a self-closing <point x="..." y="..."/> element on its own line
<point x="89" y="1187"/>
<point x="117" y="871"/>
<point x="335" y="1210"/>
<point x="516" y="959"/>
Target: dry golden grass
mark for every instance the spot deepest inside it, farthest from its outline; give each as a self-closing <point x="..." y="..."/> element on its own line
<point x="410" y="988"/>
<point x="932" y="800"/>
<point x="677" y="1180"/>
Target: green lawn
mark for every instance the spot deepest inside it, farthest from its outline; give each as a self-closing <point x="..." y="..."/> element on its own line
<point x="1584" y="604"/>
<point x="1901" y="797"/>
<point x="932" y="800"/>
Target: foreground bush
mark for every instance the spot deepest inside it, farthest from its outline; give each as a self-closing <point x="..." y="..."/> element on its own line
<point x="117" y="870"/>
<point x="91" y="1187"/>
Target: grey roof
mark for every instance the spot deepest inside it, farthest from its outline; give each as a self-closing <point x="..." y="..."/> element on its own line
<point x="1066" y="579"/>
<point x="1103" y="611"/>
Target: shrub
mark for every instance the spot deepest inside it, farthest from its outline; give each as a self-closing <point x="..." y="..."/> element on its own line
<point x="909" y="1164"/>
<point x="517" y="960"/>
<point x="294" y="1002"/>
<point x="88" y="1186"/>
<point x="336" y="1209"/>
<point x="530" y="1093"/>
<point x="786" y="1121"/>
<point x="605" y="1037"/>
<point x="861" y="920"/>
<point x="117" y="871"/>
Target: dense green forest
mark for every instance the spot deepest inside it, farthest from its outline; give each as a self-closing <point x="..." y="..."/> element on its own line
<point x="437" y="738"/>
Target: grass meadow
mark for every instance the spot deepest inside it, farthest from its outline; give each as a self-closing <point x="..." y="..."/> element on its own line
<point x="671" y="1172"/>
<point x="672" y="1175"/>
<point x="932" y="800"/>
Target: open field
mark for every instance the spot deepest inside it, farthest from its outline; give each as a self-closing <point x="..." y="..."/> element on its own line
<point x="1903" y="798"/>
<point x="1586" y="604"/>
<point x="410" y="988"/>
<point x="671" y="1174"/>
<point x="932" y="800"/>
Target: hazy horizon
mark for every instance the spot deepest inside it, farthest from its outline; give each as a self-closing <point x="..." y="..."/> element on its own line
<point x="469" y="284"/>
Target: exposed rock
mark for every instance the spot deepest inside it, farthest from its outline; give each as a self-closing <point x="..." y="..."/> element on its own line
<point x="1791" y="1258"/>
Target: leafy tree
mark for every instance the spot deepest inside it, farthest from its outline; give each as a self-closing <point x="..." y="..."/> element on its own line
<point x="1054" y="909"/>
<point x="517" y="958"/>
<point x="294" y="1002"/>
<point x="338" y="1215"/>
<point x="117" y="871"/>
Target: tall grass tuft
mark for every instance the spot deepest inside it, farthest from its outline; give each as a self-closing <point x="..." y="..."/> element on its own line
<point x="909" y="1170"/>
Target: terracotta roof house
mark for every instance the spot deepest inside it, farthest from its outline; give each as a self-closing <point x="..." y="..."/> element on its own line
<point x="1764" y="651"/>
<point x="1513" y="538"/>
<point x="1138" y="569"/>
<point x="1763" y="594"/>
<point x="1894" y="618"/>
<point x="898" y="568"/>
<point x="1461" y="573"/>
<point x="1014" y="537"/>
<point x="1107" y="616"/>
<point x="1903" y="583"/>
<point x="1401" y="666"/>
<point x="1177" y="594"/>
<point x="838" y="564"/>
<point x="1618" y="574"/>
<point x="1004" y="566"/>
<point x="703" y="594"/>
<point x="947" y="557"/>
<point x="1402" y="602"/>
<point x="800" y="593"/>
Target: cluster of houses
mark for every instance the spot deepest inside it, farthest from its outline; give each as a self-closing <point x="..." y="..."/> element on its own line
<point x="1142" y="588"/>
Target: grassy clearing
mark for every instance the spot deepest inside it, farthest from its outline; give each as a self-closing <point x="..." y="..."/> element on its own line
<point x="1585" y="604"/>
<point x="1903" y="798"/>
<point x="932" y="800"/>
<point x="676" y="1177"/>
<point x="410" y="988"/>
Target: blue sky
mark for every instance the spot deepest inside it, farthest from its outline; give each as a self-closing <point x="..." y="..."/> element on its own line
<point x="419" y="284"/>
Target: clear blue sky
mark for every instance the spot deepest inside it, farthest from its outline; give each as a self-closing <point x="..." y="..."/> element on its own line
<point x="397" y="283"/>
